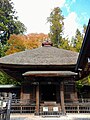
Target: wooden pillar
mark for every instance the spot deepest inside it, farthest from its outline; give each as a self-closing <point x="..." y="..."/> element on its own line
<point x="62" y="97"/>
<point x="37" y="99"/>
<point x="34" y="93"/>
<point x="57" y="94"/>
<point x="76" y="96"/>
<point x="21" y="94"/>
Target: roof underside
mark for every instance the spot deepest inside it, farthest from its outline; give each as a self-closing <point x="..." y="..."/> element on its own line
<point x="41" y="56"/>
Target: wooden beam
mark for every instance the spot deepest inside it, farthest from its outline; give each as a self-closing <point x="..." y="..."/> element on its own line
<point x="62" y="97"/>
<point x="37" y="99"/>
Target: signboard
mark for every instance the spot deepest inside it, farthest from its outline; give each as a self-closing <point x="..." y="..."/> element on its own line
<point x="45" y="109"/>
<point x="55" y="109"/>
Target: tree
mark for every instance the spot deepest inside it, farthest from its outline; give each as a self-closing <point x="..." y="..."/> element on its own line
<point x="3" y="49"/>
<point x="65" y="44"/>
<point x="35" y="40"/>
<point x="15" y="44"/>
<point x="56" y="25"/>
<point x="5" y="79"/>
<point x="20" y="28"/>
<point x="78" y="40"/>
<point x="8" y="21"/>
<point x="84" y="28"/>
<point x="18" y="43"/>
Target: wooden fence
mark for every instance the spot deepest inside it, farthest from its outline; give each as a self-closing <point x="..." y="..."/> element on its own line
<point x="78" y="106"/>
<point x="22" y="106"/>
<point x="27" y="106"/>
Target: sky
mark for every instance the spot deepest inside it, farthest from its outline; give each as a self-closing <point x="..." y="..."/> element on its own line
<point x="34" y="13"/>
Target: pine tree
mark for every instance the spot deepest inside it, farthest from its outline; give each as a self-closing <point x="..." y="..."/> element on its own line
<point x="78" y="40"/>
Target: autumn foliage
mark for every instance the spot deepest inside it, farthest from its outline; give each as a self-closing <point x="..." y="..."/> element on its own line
<point x="19" y="43"/>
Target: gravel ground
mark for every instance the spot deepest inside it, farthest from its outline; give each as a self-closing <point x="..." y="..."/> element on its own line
<point x="67" y="117"/>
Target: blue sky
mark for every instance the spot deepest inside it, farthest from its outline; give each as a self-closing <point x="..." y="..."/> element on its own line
<point x="76" y="13"/>
<point x="34" y="13"/>
<point x="80" y="7"/>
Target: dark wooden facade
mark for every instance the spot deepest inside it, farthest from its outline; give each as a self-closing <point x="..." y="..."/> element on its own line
<point x="50" y="90"/>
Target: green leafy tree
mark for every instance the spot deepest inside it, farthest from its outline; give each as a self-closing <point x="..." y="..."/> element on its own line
<point x="56" y="25"/>
<point x="5" y="79"/>
<point x="78" y="40"/>
<point x="9" y="24"/>
<point x="65" y="44"/>
<point x="3" y="49"/>
<point x="20" y="28"/>
<point x="8" y="21"/>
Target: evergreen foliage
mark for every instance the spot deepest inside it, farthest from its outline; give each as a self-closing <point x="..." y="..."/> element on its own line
<point x="5" y="79"/>
<point x="9" y="23"/>
<point x="56" y="26"/>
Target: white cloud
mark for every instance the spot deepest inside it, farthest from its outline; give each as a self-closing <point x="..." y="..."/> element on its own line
<point x="68" y="4"/>
<point x="70" y="24"/>
<point x="34" y="13"/>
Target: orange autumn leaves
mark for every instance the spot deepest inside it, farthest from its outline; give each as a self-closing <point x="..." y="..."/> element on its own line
<point x="19" y="43"/>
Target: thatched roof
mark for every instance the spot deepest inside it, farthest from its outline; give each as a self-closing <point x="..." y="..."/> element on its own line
<point x="41" y="56"/>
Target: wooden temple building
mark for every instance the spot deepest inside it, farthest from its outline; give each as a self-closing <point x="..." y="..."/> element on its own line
<point x="48" y="74"/>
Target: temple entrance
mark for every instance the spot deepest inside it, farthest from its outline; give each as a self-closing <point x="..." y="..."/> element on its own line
<point x="48" y="92"/>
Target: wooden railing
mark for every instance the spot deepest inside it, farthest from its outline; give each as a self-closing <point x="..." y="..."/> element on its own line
<point x="78" y="106"/>
<point x="23" y="106"/>
<point x="28" y="106"/>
